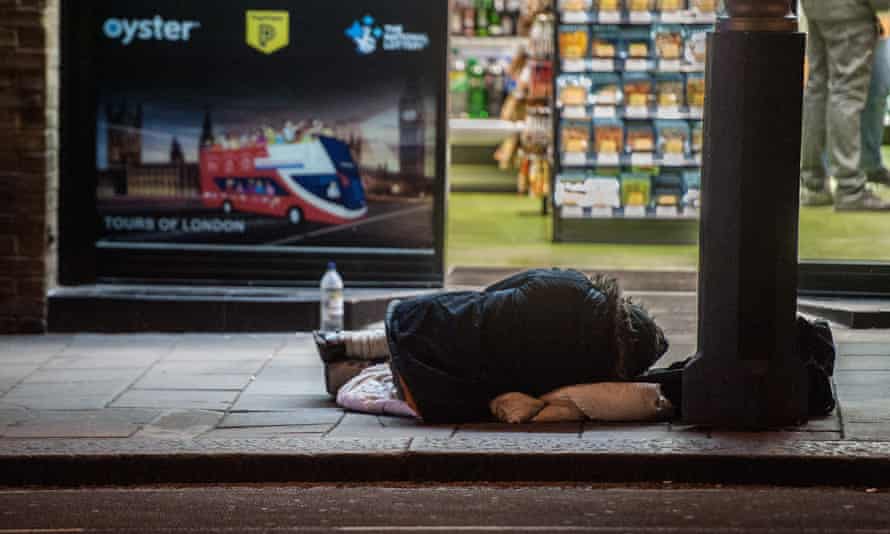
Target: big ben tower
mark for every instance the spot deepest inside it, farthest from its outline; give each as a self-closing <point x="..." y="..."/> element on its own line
<point x="412" y="133"/>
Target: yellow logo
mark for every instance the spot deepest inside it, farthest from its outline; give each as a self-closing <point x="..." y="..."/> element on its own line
<point x="268" y="31"/>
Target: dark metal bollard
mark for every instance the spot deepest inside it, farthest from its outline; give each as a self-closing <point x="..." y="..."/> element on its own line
<point x="747" y="373"/>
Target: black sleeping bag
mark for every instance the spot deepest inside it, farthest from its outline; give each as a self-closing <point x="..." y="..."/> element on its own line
<point x="534" y="332"/>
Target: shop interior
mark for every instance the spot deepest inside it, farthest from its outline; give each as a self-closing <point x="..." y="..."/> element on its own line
<point x="576" y="138"/>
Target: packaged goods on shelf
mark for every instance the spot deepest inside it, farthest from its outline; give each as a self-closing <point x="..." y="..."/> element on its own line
<point x="636" y="190"/>
<point x="668" y="42"/>
<point x="574" y="41"/>
<point x="638" y="92"/>
<point x="606" y="191"/>
<point x="695" y="90"/>
<point x="698" y="137"/>
<point x="696" y="46"/>
<point x="608" y="137"/>
<point x="575" y="136"/>
<point x="485" y="18"/>
<point x="606" y="42"/>
<point x="702" y="8"/>
<point x="639" y="6"/>
<point x="573" y="90"/>
<point x="673" y="139"/>
<point x="605" y="89"/>
<point x="575" y="190"/>
<point x="667" y="189"/>
<point x="692" y="184"/>
<point x="575" y="5"/>
<point x="640" y="137"/>
<point x="607" y="5"/>
<point x="669" y="89"/>
<point x="635" y="43"/>
<point x="670" y="6"/>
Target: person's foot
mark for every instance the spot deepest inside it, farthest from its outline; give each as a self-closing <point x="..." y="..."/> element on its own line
<point x="330" y="345"/>
<point x="879" y="176"/>
<point x="815" y="197"/>
<point x="866" y="201"/>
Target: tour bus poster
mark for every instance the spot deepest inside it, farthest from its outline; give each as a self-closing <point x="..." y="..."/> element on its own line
<point x="298" y="125"/>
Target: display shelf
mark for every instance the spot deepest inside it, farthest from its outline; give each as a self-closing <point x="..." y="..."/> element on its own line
<point x="584" y="161"/>
<point x="621" y="230"/>
<point x="580" y="66"/>
<point x="662" y="177"/>
<point x="481" y="132"/>
<point x="629" y="113"/>
<point x="488" y="43"/>
<point x="636" y="18"/>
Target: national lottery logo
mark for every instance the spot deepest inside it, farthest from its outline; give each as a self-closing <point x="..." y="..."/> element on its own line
<point x="367" y="36"/>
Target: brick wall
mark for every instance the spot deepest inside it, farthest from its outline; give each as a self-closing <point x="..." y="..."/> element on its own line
<point x="29" y="89"/>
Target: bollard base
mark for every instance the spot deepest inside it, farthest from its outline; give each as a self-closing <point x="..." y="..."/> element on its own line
<point x="747" y="373"/>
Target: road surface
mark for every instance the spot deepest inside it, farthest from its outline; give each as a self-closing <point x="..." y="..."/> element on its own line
<point x="663" y="509"/>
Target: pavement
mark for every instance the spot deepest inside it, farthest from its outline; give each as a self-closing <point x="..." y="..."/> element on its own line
<point x="88" y="409"/>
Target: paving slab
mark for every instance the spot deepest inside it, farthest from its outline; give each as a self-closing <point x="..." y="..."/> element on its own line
<point x="142" y="361"/>
<point x="309" y="382"/>
<point x="197" y="347"/>
<point x="864" y="348"/>
<point x="172" y="399"/>
<point x="600" y="431"/>
<point x="65" y="376"/>
<point x="180" y="425"/>
<point x="867" y="431"/>
<point x="864" y="363"/>
<point x="11" y="414"/>
<point x="198" y="381"/>
<point x="12" y="374"/>
<point x="86" y="395"/>
<point x="528" y="431"/>
<point x="272" y="432"/>
<point x="107" y="423"/>
<point x="867" y="411"/>
<point x="354" y="425"/>
<point x="249" y="366"/>
<point x="281" y="403"/>
<point x="308" y="416"/>
<point x="31" y="348"/>
<point x="71" y="429"/>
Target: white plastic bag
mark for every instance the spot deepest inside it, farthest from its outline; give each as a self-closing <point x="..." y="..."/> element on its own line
<point x="373" y="391"/>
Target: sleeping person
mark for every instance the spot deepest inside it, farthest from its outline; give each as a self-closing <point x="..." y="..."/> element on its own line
<point x="543" y="345"/>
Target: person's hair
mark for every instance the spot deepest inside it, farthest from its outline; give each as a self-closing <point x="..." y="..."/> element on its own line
<point x="647" y="342"/>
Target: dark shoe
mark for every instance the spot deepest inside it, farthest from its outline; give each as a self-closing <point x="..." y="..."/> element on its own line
<point x="866" y="201"/>
<point x="879" y="176"/>
<point x="330" y="346"/>
<point x="815" y="197"/>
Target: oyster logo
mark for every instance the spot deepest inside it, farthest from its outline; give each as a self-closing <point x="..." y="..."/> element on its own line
<point x="268" y="31"/>
<point x="367" y="36"/>
<point x="153" y="29"/>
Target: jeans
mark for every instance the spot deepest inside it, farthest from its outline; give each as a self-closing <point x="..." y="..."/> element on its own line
<point x="840" y="55"/>
<point x="876" y="109"/>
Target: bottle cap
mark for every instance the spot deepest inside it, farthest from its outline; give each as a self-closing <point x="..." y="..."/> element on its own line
<point x="332" y="266"/>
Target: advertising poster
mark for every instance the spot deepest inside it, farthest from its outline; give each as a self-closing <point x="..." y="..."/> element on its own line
<point x="278" y="125"/>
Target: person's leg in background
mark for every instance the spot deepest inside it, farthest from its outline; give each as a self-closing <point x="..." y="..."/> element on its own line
<point x="849" y="47"/>
<point x="874" y="115"/>
<point x="812" y="168"/>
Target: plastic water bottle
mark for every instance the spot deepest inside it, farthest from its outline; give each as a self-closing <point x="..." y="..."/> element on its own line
<point x="331" y="300"/>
